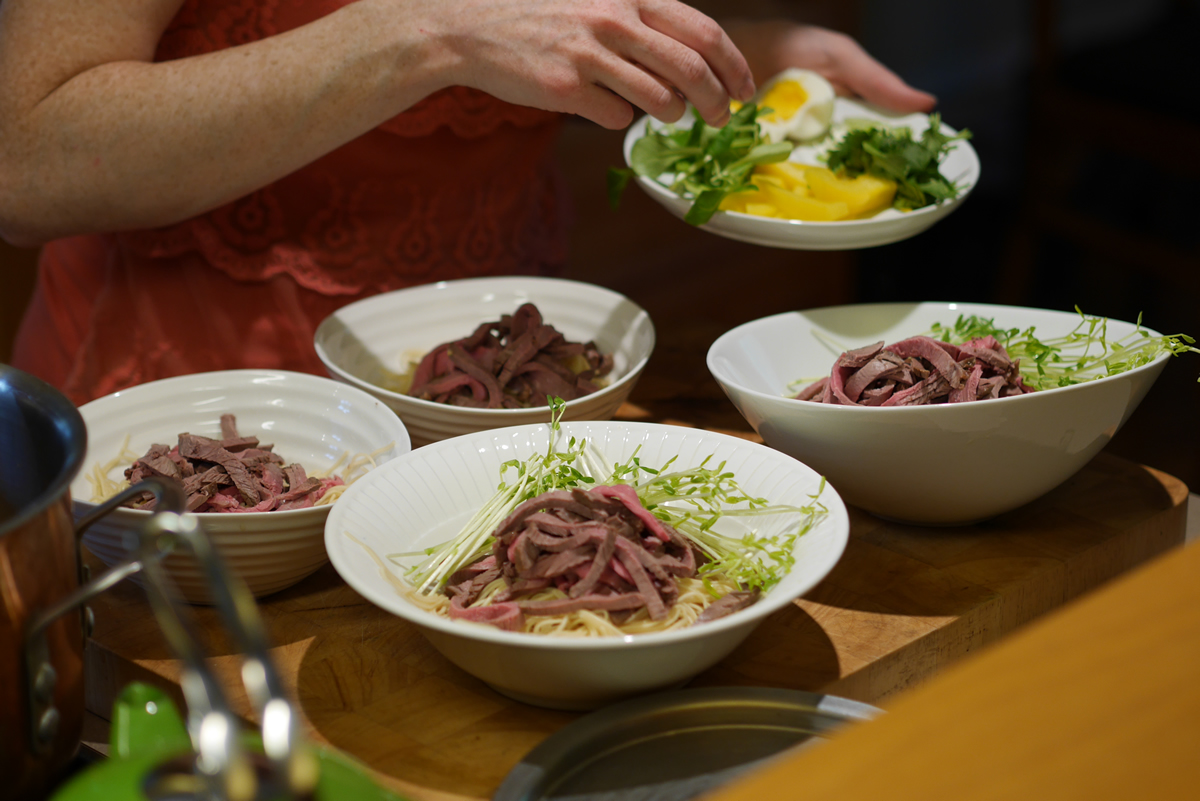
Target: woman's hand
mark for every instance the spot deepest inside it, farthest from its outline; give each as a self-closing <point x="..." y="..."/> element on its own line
<point x="595" y="58"/>
<point x="773" y="46"/>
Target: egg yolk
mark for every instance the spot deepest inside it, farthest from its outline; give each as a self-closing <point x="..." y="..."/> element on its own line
<point x="784" y="98"/>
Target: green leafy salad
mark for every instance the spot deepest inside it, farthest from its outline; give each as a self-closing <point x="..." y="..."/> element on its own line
<point x="1084" y="354"/>
<point x="690" y="500"/>
<point x="707" y="164"/>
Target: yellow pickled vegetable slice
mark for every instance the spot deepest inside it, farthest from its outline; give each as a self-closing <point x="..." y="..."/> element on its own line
<point x="762" y="209"/>
<point x="734" y="202"/>
<point x="863" y="194"/>
<point x="760" y="179"/>
<point x="790" y="174"/>
<point x="743" y="201"/>
<point x="797" y="206"/>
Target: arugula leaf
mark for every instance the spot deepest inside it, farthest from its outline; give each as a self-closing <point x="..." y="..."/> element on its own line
<point x="892" y="153"/>
<point x="654" y="155"/>
<point x="705" y="206"/>
<point x="618" y="179"/>
<point x="703" y="163"/>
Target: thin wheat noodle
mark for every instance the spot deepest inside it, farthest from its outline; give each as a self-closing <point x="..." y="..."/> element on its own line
<point x="694" y="597"/>
<point x="104" y="487"/>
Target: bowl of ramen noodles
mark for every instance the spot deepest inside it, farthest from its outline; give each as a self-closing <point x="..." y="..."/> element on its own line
<point x="940" y="413"/>
<point x="262" y="455"/>
<point x="461" y="356"/>
<point x="572" y="564"/>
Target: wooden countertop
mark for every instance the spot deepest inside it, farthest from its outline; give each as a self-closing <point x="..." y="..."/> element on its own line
<point x="902" y="604"/>
<point x="1099" y="700"/>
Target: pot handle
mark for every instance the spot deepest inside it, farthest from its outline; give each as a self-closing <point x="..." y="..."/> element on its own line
<point x="41" y="678"/>
<point x="214" y="729"/>
<point x="220" y="761"/>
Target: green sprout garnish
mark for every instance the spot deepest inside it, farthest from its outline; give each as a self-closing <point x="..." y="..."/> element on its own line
<point x="1085" y="353"/>
<point x="691" y="500"/>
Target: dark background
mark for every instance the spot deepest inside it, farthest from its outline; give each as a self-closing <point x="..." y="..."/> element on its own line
<point x="1086" y="118"/>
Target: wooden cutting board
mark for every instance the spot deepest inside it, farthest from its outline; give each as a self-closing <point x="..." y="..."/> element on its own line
<point x="903" y="603"/>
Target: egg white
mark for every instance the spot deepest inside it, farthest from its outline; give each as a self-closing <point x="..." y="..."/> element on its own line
<point x="810" y="120"/>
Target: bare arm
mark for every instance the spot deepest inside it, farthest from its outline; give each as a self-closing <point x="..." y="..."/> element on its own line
<point x="94" y="136"/>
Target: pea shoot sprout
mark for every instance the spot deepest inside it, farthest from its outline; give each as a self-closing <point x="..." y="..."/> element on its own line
<point x="691" y="500"/>
<point x="1083" y="354"/>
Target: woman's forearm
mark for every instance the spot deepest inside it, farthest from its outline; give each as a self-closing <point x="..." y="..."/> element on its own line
<point x="128" y="143"/>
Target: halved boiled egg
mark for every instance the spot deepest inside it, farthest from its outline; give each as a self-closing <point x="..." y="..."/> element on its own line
<point x="801" y="103"/>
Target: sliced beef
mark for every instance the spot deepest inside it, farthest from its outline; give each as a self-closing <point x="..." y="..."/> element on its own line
<point x="515" y="362"/>
<point x="232" y="474"/>
<point x="507" y="616"/>
<point x="919" y="371"/>
<point x="727" y="605"/>
<point x="600" y="547"/>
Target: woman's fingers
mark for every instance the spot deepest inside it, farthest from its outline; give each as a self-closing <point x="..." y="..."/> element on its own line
<point x="604" y="107"/>
<point x="646" y="90"/>
<point x="657" y="55"/>
<point x="694" y="54"/>
<point x="661" y="76"/>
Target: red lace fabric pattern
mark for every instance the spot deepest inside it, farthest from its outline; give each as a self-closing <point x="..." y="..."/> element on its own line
<point x="461" y="184"/>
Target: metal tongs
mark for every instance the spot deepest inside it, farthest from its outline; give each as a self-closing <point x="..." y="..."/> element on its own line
<point x="222" y="767"/>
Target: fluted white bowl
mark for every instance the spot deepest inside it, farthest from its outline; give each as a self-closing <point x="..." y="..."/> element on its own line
<point x="364" y="341"/>
<point x="941" y="464"/>
<point x="311" y="420"/>
<point x="425" y="497"/>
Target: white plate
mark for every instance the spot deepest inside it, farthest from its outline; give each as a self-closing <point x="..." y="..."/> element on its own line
<point x="960" y="166"/>
<point x="423" y="498"/>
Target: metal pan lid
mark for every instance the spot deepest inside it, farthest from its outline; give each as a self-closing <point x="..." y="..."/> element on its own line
<point x="676" y="745"/>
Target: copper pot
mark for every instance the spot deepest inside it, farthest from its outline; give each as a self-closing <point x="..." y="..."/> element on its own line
<point x="42" y="444"/>
<point x="44" y="589"/>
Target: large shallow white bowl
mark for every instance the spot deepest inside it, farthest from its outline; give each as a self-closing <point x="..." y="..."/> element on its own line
<point x="425" y="497"/>
<point x="310" y="419"/>
<point x="961" y="166"/>
<point x="938" y="464"/>
<point x="361" y="341"/>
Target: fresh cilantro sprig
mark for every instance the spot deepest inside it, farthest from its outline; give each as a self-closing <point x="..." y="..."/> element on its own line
<point x="893" y="153"/>
<point x="1083" y="354"/>
<point x="704" y="163"/>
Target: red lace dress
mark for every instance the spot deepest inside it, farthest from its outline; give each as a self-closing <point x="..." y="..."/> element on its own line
<point x="460" y="185"/>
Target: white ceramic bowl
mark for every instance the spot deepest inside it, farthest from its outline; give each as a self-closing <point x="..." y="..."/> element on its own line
<point x="424" y="498"/>
<point x="940" y="464"/>
<point x="310" y="419"/>
<point x="961" y="166"/>
<point x="361" y="341"/>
